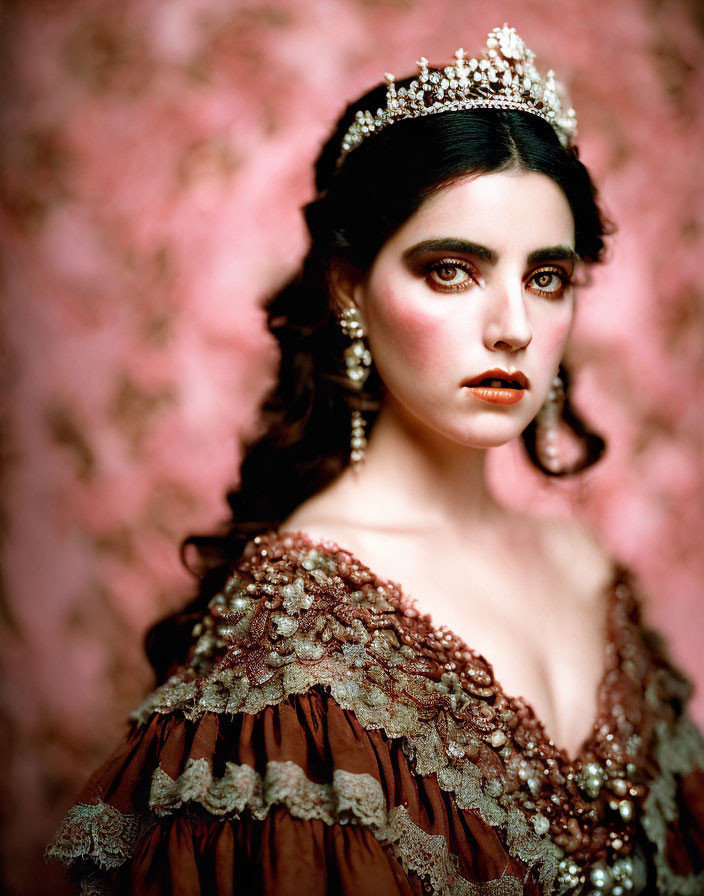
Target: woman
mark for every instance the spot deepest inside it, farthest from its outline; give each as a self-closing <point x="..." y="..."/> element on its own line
<point x="316" y="730"/>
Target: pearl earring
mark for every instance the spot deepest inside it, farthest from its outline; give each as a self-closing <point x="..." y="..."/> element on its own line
<point x="547" y="422"/>
<point x="358" y="360"/>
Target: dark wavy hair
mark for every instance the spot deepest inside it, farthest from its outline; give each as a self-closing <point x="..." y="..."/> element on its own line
<point x="358" y="207"/>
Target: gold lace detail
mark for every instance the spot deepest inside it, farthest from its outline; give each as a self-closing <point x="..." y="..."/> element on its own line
<point x="349" y="799"/>
<point x="293" y="617"/>
<point x="429" y="856"/>
<point x="344" y="674"/>
<point x="97" y="832"/>
<point x="678" y="751"/>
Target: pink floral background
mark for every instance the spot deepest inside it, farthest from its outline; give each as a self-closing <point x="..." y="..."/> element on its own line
<point x="153" y="163"/>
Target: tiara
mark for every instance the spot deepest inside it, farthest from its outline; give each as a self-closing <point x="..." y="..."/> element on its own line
<point x="503" y="78"/>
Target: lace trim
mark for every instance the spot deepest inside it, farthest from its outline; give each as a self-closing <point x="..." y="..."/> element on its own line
<point x="345" y="674"/>
<point x="292" y="617"/>
<point x="679" y="750"/>
<point x="350" y="798"/>
<point x="97" y="832"/>
<point x="430" y="857"/>
<point x="225" y="692"/>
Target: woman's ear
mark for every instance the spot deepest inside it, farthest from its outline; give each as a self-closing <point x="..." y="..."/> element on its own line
<point x="346" y="285"/>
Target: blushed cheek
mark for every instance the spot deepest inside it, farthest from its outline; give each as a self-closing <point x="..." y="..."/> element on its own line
<point x="421" y="338"/>
<point x="556" y="338"/>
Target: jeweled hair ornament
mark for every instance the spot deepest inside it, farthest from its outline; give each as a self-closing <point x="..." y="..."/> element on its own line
<point x="503" y="78"/>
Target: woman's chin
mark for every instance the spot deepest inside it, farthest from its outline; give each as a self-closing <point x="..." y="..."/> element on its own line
<point x="483" y="440"/>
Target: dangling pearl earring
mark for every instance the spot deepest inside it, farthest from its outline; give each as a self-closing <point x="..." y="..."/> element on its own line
<point x="357" y="362"/>
<point x="547" y="422"/>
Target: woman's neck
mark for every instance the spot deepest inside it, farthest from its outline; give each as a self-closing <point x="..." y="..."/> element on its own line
<point x="413" y="478"/>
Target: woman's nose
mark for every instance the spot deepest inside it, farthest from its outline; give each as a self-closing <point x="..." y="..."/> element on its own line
<point x="507" y="325"/>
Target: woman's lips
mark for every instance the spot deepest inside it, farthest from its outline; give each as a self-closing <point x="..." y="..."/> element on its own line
<point x="497" y="396"/>
<point x="498" y="386"/>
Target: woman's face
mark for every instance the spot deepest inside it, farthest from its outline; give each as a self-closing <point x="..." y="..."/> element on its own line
<point x="475" y="288"/>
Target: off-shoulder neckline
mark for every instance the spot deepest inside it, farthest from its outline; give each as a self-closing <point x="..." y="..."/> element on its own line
<point x="404" y="602"/>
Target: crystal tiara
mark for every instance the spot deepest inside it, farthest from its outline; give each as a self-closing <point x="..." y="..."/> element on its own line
<point x="503" y="78"/>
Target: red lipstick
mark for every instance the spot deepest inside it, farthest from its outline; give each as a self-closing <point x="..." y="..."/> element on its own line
<point x="496" y="386"/>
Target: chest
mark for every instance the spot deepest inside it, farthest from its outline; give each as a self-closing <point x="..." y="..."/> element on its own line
<point x="547" y="647"/>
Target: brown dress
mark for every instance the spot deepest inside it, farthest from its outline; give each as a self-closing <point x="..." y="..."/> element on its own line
<point x="327" y="738"/>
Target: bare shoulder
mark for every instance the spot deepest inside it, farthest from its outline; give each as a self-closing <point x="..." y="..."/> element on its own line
<point x="579" y="554"/>
<point x="314" y="520"/>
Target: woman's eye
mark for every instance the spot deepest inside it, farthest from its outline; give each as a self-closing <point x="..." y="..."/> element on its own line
<point x="449" y="275"/>
<point x="550" y="282"/>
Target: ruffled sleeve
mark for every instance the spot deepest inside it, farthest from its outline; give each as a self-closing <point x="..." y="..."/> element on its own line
<point x="673" y="817"/>
<point x="323" y="737"/>
<point x="652" y="697"/>
<point x="673" y="808"/>
<point x="297" y="798"/>
<point x="274" y="762"/>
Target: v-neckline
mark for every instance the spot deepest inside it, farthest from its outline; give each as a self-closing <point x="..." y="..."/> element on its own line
<point x="404" y="602"/>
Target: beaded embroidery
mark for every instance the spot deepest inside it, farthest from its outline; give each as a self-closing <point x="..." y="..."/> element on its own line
<point x="98" y="832"/>
<point x="297" y="614"/>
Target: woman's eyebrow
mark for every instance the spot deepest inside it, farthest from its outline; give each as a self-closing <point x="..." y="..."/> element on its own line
<point x="553" y="253"/>
<point x="466" y="247"/>
<point x="450" y="244"/>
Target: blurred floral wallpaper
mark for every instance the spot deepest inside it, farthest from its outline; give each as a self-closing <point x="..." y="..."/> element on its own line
<point x="153" y="163"/>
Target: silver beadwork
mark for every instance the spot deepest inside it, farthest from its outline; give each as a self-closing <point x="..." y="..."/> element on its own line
<point x="547" y="426"/>
<point x="590" y="779"/>
<point x="503" y="78"/>
<point x="358" y="440"/>
<point x="357" y="356"/>
<point x="358" y="360"/>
